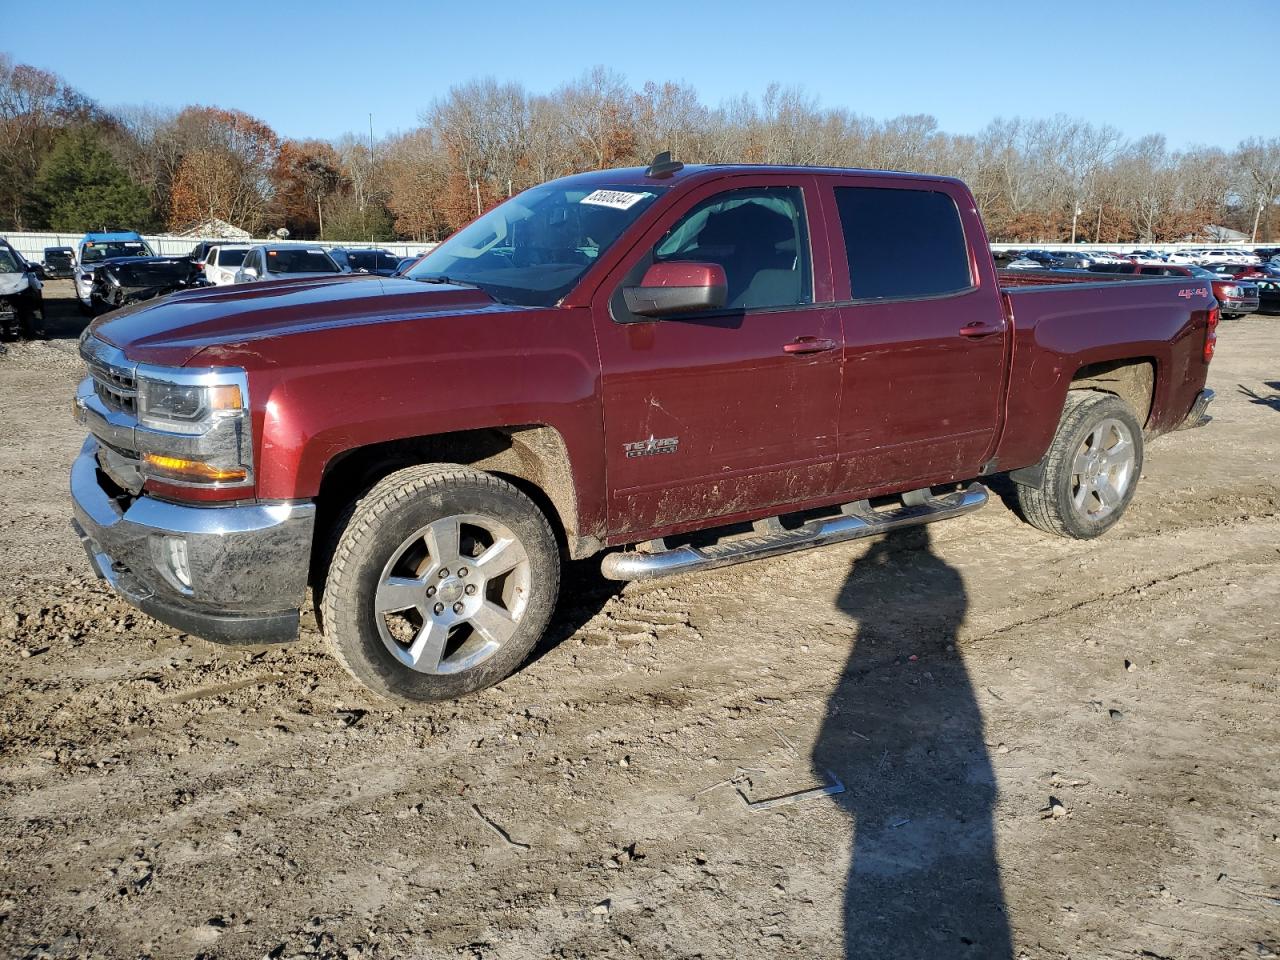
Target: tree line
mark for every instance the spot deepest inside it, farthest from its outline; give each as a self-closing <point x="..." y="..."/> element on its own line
<point x="73" y="165"/>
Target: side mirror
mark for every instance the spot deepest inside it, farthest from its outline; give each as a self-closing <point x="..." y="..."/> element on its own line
<point x="249" y="273"/>
<point x="670" y="289"/>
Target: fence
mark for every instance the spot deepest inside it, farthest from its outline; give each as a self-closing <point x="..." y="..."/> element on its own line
<point x="31" y="245"/>
<point x="1241" y="245"/>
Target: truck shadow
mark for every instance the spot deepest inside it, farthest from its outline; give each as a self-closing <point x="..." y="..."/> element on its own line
<point x="903" y="732"/>
<point x="584" y="591"/>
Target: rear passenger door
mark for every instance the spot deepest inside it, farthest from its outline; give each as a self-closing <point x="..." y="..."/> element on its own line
<point x="924" y="334"/>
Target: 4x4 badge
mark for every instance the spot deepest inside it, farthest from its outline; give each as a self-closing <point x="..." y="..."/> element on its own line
<point x="651" y="447"/>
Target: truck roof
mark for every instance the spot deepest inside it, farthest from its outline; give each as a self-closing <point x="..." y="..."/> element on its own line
<point x="704" y="171"/>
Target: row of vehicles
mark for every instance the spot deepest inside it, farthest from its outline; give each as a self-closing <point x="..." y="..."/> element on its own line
<point x="114" y="269"/>
<point x="1243" y="281"/>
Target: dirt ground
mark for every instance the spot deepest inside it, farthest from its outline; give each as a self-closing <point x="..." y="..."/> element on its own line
<point x="1048" y="748"/>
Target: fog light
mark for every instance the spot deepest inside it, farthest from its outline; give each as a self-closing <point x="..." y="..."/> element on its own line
<point x="170" y="554"/>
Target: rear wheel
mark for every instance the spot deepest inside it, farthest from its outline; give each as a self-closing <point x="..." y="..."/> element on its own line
<point x="442" y="581"/>
<point x="1091" y="471"/>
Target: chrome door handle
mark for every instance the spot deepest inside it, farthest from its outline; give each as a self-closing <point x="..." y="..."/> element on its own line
<point x="976" y="331"/>
<point x="808" y="345"/>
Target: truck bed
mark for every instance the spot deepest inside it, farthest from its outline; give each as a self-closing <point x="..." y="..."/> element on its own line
<point x="1065" y="322"/>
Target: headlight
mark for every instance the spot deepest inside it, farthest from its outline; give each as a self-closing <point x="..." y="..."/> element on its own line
<point x="1231" y="291"/>
<point x="193" y="426"/>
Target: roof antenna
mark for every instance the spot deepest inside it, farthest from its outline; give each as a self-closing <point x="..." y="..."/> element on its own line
<point x="663" y="166"/>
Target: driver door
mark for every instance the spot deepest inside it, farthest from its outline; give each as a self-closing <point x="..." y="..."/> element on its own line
<point x="718" y="415"/>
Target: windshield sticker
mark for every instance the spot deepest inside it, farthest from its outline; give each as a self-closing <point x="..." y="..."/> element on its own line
<point x="617" y="199"/>
<point x="315" y="251"/>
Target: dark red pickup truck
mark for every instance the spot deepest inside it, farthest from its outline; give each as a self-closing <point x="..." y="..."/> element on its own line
<point x="771" y="358"/>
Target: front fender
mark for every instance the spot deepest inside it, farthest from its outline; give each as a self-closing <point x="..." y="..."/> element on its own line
<point x="318" y="395"/>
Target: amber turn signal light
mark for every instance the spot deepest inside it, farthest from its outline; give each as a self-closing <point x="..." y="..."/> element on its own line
<point x="177" y="468"/>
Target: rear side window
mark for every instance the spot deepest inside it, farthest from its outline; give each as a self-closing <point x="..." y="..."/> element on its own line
<point x="902" y="244"/>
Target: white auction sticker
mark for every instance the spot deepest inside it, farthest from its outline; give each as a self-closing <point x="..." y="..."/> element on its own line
<point x="618" y="199"/>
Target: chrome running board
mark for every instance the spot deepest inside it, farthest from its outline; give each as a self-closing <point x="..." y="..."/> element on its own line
<point x="858" y="521"/>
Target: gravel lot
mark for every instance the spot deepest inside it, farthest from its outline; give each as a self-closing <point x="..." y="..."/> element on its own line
<point x="1049" y="748"/>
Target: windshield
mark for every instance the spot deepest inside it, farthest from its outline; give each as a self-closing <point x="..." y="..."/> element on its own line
<point x="1202" y="273"/>
<point x="300" y="261"/>
<point x="8" y="264"/>
<point x="532" y="249"/>
<point x="95" y="250"/>
<point x="231" y="258"/>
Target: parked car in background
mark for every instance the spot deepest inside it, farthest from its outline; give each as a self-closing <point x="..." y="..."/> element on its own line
<point x="1235" y="297"/>
<point x="1023" y="263"/>
<point x="95" y="249"/>
<point x="222" y="262"/>
<point x="200" y="252"/>
<point x="1045" y="258"/>
<point x="125" y="280"/>
<point x="407" y="262"/>
<point x="1264" y="276"/>
<point x="21" y="296"/>
<point x="1267" y="281"/>
<point x="285" y="261"/>
<point x="1215" y="257"/>
<point x="368" y="260"/>
<point x="59" y="263"/>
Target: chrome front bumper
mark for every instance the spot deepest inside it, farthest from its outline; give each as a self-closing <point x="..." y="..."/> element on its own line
<point x="233" y="574"/>
<point x="1239" y="304"/>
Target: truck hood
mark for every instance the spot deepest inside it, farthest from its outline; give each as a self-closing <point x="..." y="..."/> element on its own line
<point x="172" y="331"/>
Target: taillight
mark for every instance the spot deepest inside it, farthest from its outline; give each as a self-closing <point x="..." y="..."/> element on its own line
<point x="1211" y="335"/>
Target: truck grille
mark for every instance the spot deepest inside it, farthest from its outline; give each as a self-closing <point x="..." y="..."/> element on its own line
<point x="117" y="389"/>
<point x="113" y="375"/>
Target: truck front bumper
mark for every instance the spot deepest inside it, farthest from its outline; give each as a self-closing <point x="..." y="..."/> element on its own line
<point x="232" y="574"/>
<point x="1238" y="306"/>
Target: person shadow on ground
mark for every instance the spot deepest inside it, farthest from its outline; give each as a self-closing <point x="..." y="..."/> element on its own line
<point x="905" y="737"/>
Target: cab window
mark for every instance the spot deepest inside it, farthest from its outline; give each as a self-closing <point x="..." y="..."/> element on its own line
<point x="902" y="244"/>
<point x="758" y="235"/>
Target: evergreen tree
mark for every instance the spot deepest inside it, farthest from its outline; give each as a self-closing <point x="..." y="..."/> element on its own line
<point x="82" y="187"/>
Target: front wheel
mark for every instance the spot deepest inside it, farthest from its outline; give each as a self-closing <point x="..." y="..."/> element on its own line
<point x="1091" y="471"/>
<point x="442" y="581"/>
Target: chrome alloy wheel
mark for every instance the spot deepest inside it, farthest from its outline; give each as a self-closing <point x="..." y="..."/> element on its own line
<point x="1103" y="469"/>
<point x="452" y="594"/>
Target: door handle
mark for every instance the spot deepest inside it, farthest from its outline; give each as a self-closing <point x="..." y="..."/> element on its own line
<point x="808" y="345"/>
<point x="976" y="331"/>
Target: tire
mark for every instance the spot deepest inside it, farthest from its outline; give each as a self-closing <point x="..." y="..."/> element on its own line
<point x="470" y="626"/>
<point x="1091" y="469"/>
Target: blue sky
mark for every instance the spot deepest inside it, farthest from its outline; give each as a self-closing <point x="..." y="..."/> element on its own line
<point x="319" y="68"/>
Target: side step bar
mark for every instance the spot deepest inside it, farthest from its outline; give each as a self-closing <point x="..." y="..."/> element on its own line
<point x="635" y="565"/>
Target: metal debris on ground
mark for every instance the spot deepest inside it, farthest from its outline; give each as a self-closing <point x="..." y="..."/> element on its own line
<point x="498" y="830"/>
<point x="827" y="790"/>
